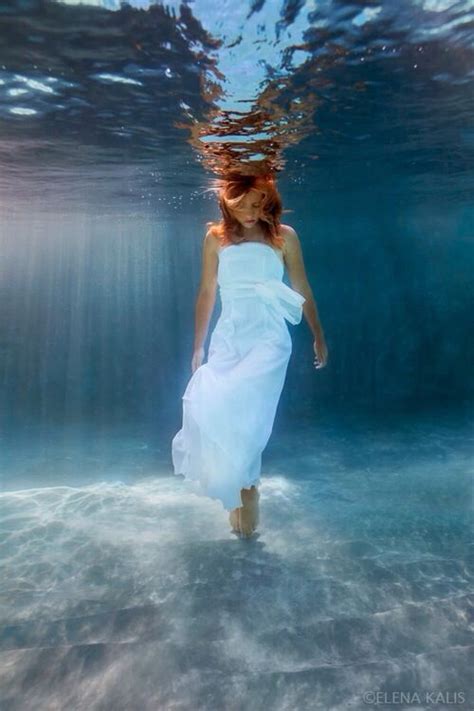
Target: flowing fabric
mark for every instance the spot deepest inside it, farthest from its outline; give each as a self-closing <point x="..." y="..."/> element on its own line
<point x="230" y="402"/>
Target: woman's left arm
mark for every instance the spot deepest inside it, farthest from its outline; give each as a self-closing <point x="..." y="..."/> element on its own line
<point x="299" y="281"/>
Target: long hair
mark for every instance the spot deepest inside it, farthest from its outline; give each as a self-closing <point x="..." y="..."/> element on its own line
<point x="231" y="190"/>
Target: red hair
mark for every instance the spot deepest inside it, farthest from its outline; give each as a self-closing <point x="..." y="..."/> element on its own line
<point x="231" y="190"/>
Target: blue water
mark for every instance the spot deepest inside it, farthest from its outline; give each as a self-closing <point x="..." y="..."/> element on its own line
<point x="119" y="590"/>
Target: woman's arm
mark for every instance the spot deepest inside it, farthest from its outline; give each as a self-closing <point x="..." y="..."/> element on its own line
<point x="299" y="281"/>
<point x="206" y="297"/>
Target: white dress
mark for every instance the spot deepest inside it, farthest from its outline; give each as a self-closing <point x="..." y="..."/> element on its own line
<point x="230" y="402"/>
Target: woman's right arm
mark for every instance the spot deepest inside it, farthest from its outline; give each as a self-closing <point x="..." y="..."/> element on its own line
<point x="206" y="298"/>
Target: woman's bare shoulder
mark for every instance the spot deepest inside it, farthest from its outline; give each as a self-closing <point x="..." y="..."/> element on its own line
<point x="290" y="236"/>
<point x="287" y="230"/>
<point x="211" y="240"/>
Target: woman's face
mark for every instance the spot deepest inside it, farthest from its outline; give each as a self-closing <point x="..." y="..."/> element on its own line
<point x="247" y="211"/>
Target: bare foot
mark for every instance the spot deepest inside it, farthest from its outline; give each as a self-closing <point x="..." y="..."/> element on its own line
<point x="245" y="519"/>
<point x="234" y="520"/>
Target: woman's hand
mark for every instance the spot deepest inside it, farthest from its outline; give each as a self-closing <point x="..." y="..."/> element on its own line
<point x="321" y="352"/>
<point x="198" y="357"/>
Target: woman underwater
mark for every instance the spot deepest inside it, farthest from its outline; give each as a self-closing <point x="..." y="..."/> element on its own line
<point x="230" y="402"/>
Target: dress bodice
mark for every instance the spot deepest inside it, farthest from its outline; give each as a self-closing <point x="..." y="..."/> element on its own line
<point x="248" y="262"/>
<point x="255" y="269"/>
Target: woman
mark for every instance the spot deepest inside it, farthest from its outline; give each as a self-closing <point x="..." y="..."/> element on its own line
<point x="230" y="402"/>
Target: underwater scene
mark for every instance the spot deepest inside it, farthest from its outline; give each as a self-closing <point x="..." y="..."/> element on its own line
<point x="236" y="422"/>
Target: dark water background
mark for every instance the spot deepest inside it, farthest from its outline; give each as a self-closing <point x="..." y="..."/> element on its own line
<point x="118" y="591"/>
